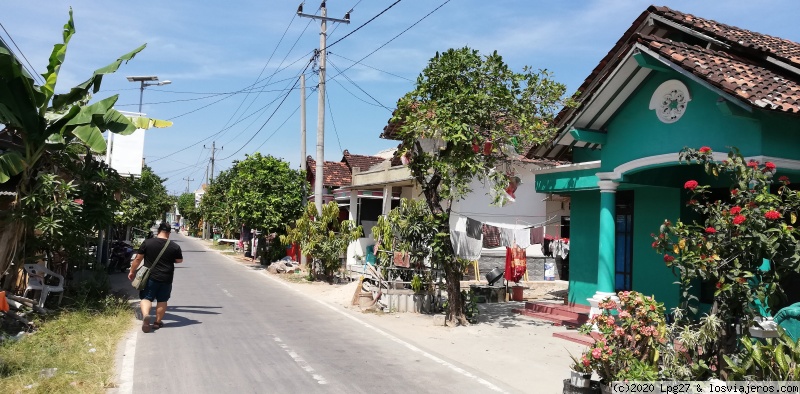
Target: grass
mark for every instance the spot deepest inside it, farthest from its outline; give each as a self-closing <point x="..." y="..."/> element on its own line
<point x="65" y="341"/>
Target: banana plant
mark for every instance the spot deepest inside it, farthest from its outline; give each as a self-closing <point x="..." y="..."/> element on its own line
<point x="37" y="121"/>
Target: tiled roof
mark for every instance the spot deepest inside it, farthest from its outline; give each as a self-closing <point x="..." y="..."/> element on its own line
<point x="731" y="58"/>
<point x="336" y="173"/>
<point x="783" y="49"/>
<point x="363" y="162"/>
<point x="754" y="83"/>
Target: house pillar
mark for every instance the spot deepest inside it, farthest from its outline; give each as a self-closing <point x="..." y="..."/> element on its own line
<point x="606" y="253"/>
<point x="387" y="199"/>
<point x="353" y="216"/>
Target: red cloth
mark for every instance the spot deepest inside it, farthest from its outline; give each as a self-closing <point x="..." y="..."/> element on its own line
<point x="516" y="264"/>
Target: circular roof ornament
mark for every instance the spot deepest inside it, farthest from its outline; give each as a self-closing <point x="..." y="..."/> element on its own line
<point x="670" y="100"/>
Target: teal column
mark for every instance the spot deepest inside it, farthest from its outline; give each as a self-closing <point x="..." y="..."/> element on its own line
<point x="606" y="256"/>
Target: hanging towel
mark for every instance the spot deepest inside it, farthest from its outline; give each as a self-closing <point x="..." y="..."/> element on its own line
<point x="523" y="237"/>
<point x="474" y="229"/>
<point x="461" y="224"/>
<point x="537" y="235"/>
<point x="516" y="264"/>
<point x="465" y="246"/>
<point x="491" y="236"/>
<point x="506" y="237"/>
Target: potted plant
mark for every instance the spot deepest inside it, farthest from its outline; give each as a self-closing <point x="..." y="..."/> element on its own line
<point x="631" y="335"/>
<point x="580" y="377"/>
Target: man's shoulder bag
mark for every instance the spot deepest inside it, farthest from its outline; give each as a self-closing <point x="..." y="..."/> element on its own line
<point x="143" y="273"/>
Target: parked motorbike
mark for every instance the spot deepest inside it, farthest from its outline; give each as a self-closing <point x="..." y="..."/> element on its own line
<point x="121" y="256"/>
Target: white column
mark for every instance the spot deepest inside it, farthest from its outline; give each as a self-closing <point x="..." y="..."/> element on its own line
<point x="387" y="199"/>
<point x="353" y="206"/>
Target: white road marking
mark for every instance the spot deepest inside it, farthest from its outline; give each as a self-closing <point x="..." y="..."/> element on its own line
<point x="300" y="361"/>
<point x="225" y="291"/>
<point x="399" y="341"/>
<point x="126" y="372"/>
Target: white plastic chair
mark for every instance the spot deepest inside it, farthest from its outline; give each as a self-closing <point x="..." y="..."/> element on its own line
<point x="36" y="281"/>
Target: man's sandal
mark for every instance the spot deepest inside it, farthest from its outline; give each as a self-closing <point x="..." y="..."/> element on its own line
<point x="146" y="324"/>
<point x="158" y="325"/>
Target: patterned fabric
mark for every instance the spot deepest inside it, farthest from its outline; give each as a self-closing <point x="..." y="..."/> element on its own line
<point x="516" y="264"/>
<point x="491" y="236"/>
<point x="537" y="235"/>
<point x="401" y="259"/>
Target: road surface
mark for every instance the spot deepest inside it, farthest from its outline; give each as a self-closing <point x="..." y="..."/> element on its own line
<point x="231" y="328"/>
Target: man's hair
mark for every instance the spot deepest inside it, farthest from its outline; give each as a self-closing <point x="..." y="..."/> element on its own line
<point x="165" y="227"/>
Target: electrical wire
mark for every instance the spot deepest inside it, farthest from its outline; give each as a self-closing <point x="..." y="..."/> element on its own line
<point x="268" y="119"/>
<point x="32" y="69"/>
<point x="395" y="37"/>
<point x="363" y="24"/>
<point x="355" y="95"/>
<point x="368" y="66"/>
<point x="333" y="121"/>
<point x="359" y="87"/>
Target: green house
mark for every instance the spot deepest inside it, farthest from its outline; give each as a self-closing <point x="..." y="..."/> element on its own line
<point x="673" y="80"/>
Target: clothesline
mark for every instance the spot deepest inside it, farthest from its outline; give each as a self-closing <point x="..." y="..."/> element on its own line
<point x="514" y="227"/>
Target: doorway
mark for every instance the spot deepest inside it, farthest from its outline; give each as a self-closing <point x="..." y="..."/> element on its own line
<point x="623" y="259"/>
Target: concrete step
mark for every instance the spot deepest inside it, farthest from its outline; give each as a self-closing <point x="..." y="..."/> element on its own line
<point x="572" y="312"/>
<point x="574" y="336"/>
<point x="557" y="320"/>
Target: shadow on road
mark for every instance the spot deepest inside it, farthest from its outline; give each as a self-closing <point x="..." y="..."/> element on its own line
<point x="174" y="317"/>
<point x="502" y="314"/>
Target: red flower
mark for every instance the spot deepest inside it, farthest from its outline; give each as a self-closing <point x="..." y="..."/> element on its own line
<point x="772" y="215"/>
<point x="710" y="230"/>
<point x="705" y="149"/>
<point x="736" y="210"/>
<point x="734" y="192"/>
<point x="753" y="164"/>
<point x="654" y="244"/>
<point x="691" y="185"/>
<point x="79" y="201"/>
<point x="668" y="258"/>
<point x="719" y="285"/>
<point x="739" y="219"/>
<point x="692" y="202"/>
<point x="751" y="204"/>
<point x="784" y="179"/>
<point x="769" y="166"/>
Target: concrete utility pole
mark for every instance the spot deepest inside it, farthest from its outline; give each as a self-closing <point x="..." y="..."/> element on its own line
<point x="206" y="227"/>
<point x="303" y="122"/>
<point x="323" y="17"/>
<point x="187" y="179"/>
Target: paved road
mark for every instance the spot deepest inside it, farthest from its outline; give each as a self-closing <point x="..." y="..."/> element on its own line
<point x="231" y="328"/>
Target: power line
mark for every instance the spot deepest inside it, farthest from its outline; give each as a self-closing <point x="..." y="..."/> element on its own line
<point x="365" y="23"/>
<point x="32" y="70"/>
<point x="268" y="119"/>
<point x="335" y="130"/>
<point x="191" y="99"/>
<point x="374" y="68"/>
<point x="395" y="37"/>
<point x="355" y="95"/>
<point x="359" y="87"/>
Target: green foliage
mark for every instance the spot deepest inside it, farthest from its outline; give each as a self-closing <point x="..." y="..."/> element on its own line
<point x="50" y="209"/>
<point x="322" y="236"/>
<point x="461" y="101"/>
<point x="145" y="200"/>
<point x="693" y="358"/>
<point x="409" y="227"/>
<point x="265" y="192"/>
<point x="188" y="211"/>
<point x="216" y="207"/>
<point x="771" y="359"/>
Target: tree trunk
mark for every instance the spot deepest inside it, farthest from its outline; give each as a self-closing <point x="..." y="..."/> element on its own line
<point x="455" y="303"/>
<point x="10" y="238"/>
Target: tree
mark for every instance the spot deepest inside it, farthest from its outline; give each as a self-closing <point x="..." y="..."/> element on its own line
<point x="265" y="193"/>
<point x="190" y="214"/>
<point x="322" y="237"/>
<point x="464" y="103"/>
<point x="145" y="199"/>
<point x="37" y="122"/>
<point x="215" y="206"/>
<point x="751" y="224"/>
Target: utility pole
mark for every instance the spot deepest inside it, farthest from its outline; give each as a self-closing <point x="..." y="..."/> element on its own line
<point x="206" y="227"/>
<point x="303" y="122"/>
<point x="323" y="17"/>
<point x="187" y="179"/>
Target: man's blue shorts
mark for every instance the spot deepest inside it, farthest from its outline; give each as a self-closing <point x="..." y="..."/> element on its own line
<point x="156" y="291"/>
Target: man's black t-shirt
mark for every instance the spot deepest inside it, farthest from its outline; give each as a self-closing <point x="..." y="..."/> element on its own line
<point x="165" y="269"/>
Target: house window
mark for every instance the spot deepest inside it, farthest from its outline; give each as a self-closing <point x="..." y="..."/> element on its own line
<point x="623" y="267"/>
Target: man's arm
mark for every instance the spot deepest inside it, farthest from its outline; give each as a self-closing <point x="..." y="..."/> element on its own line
<point x="135" y="264"/>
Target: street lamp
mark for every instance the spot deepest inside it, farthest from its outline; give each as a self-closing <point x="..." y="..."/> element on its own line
<point x="144" y="82"/>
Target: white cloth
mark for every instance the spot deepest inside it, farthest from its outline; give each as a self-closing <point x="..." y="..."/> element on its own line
<point x="466" y="247"/>
<point x="461" y="224"/>
<point x="507" y="237"/>
<point x="560" y="248"/>
<point x="523" y="237"/>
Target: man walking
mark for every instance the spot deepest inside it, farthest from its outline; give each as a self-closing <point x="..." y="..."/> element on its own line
<point x="159" y="284"/>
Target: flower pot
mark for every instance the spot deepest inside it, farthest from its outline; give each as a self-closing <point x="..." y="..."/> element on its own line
<point x="569" y="388"/>
<point x="580" y="379"/>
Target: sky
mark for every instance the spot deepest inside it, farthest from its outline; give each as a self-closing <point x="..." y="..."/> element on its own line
<point x="234" y="65"/>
